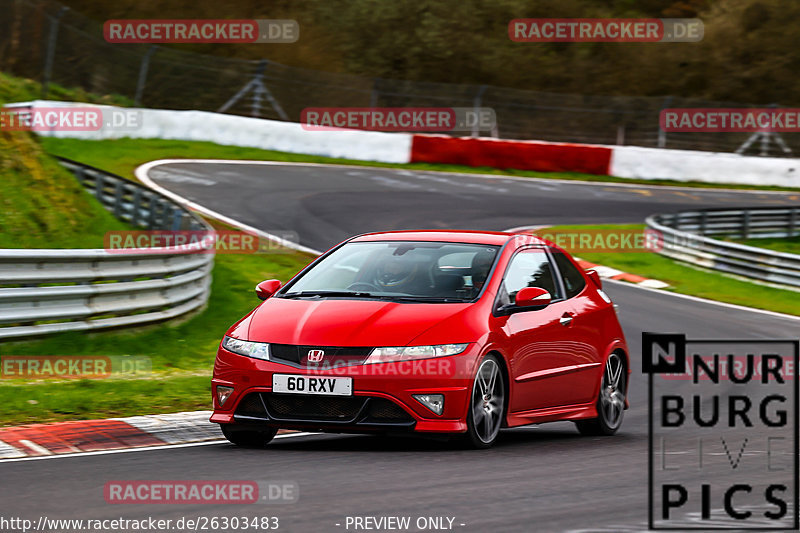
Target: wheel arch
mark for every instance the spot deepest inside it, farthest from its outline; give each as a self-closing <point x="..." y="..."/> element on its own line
<point x="507" y="376"/>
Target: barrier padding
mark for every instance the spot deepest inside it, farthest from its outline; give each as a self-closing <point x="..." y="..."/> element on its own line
<point x="503" y="154"/>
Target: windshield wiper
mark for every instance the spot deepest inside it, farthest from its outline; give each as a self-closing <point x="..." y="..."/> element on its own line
<point x="324" y="294"/>
<point x="362" y="294"/>
<point x="434" y="299"/>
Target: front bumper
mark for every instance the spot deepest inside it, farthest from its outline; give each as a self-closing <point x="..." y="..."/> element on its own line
<point x="382" y="399"/>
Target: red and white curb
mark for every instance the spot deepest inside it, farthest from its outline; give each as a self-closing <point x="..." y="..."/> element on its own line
<point x="71" y="437"/>
<point x="619" y="275"/>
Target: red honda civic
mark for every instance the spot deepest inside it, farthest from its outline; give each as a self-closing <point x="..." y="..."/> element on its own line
<point x="425" y="331"/>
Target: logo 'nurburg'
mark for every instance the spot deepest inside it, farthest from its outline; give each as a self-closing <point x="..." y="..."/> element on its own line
<point x="663" y="353"/>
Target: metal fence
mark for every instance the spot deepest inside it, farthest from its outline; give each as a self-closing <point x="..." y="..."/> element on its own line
<point x="133" y="203"/>
<point x="48" y="291"/>
<point x="686" y="239"/>
<point x="39" y="39"/>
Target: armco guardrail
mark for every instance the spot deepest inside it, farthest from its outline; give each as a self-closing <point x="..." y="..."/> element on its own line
<point x="51" y="290"/>
<point x="686" y="239"/>
<point x="132" y="202"/>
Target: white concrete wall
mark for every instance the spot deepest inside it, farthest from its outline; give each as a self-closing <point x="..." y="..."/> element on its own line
<point x="710" y="167"/>
<point x="250" y="132"/>
<point x="626" y="161"/>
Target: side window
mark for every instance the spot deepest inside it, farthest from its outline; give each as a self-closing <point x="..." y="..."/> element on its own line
<point x="574" y="282"/>
<point x="529" y="268"/>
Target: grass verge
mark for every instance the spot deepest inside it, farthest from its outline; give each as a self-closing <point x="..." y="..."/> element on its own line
<point x="787" y="245"/>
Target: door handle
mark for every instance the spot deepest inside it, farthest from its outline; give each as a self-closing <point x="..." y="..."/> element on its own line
<point x="565" y="320"/>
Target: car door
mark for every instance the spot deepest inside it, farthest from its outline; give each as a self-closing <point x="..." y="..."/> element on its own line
<point x="542" y="351"/>
<point x="586" y="307"/>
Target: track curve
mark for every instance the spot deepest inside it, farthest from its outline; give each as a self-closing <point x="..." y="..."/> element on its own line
<point x="545" y="478"/>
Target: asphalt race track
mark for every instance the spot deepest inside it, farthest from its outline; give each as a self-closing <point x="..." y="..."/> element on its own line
<point x="325" y="205"/>
<point x="545" y="478"/>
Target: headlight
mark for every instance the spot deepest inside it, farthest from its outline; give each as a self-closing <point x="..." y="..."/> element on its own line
<point x="405" y="353"/>
<point x="257" y="350"/>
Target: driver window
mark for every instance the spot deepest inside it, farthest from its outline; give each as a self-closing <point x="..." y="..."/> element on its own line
<point x="528" y="268"/>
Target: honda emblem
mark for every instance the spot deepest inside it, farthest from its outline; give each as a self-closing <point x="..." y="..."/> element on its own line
<point x="315" y="356"/>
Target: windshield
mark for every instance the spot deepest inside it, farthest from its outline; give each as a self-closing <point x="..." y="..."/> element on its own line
<point x="399" y="270"/>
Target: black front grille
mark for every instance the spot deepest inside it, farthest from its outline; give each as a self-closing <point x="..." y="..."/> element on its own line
<point x="252" y="405"/>
<point x="383" y="409"/>
<point x="301" y="406"/>
<point x="311" y="408"/>
<point x="334" y="356"/>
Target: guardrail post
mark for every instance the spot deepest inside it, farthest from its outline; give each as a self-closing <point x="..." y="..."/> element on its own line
<point x="137" y="204"/>
<point x="746" y="225"/>
<point x="118" y="199"/>
<point x="703" y="222"/>
<point x="177" y="216"/>
<point x="792" y="221"/>
<point x="151" y="225"/>
<point x="99" y="183"/>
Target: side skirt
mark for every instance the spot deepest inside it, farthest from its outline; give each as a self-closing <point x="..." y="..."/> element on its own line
<point x="552" y="414"/>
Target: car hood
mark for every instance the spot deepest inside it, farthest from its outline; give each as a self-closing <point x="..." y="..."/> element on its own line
<point x="342" y="322"/>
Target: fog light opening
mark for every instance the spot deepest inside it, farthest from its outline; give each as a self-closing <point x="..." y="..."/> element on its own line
<point x="223" y="393"/>
<point x="434" y="402"/>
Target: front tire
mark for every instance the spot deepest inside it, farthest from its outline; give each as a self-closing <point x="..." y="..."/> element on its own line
<point x="487" y="405"/>
<point x="246" y="437"/>
<point x="610" y="401"/>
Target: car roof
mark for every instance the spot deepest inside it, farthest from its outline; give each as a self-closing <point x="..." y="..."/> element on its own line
<point x="460" y="236"/>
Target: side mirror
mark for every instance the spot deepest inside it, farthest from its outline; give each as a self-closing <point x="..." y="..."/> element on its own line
<point x="532" y="297"/>
<point x="595" y="277"/>
<point x="265" y="289"/>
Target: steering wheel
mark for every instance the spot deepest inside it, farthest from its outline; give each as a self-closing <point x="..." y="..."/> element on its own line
<point x="362" y="286"/>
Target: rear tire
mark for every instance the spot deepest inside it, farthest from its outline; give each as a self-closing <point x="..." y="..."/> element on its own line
<point x="610" y="401"/>
<point x="246" y="437"/>
<point x="486" y="410"/>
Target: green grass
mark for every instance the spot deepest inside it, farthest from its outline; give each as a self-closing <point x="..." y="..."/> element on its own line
<point x="91" y="399"/>
<point x="15" y="89"/>
<point x="119" y="154"/>
<point x="791" y="246"/>
<point x="685" y="279"/>
<point x="41" y="204"/>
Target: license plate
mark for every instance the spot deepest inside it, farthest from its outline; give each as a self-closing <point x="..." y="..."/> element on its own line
<point x="296" y="384"/>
